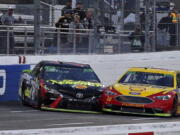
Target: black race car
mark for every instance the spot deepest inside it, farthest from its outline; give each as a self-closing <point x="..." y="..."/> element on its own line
<point x="61" y="86"/>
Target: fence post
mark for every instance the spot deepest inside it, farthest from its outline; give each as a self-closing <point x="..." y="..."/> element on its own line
<point x="25" y="41"/>
<point x="154" y="27"/>
<point x="58" y="41"/>
<point x="178" y="33"/>
<point x="74" y="41"/>
<point x="8" y="41"/>
<point x="89" y="42"/>
<point x="43" y="41"/>
<point x="37" y="29"/>
<point x="147" y="26"/>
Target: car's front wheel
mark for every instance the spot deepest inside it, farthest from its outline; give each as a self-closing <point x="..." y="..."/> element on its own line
<point x="175" y="105"/>
<point x="23" y="96"/>
<point x="38" y="100"/>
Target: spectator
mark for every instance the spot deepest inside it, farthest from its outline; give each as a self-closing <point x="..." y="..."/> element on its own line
<point x="88" y="20"/>
<point x="80" y="11"/>
<point x="8" y="19"/>
<point x="163" y="32"/>
<point x="173" y="28"/>
<point x="64" y="22"/>
<point x="77" y="26"/>
<point x="68" y="7"/>
<point x="137" y="39"/>
<point x="142" y="20"/>
<point x="168" y="24"/>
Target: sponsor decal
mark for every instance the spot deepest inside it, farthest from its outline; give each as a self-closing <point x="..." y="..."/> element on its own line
<point x="27" y="92"/>
<point x="2" y="82"/>
<point x="134" y="93"/>
<point x="132" y="105"/>
<point x="78" y="86"/>
<point x="109" y="99"/>
<point x="137" y="89"/>
<point x="144" y="133"/>
<point x="79" y="95"/>
<point x="76" y="82"/>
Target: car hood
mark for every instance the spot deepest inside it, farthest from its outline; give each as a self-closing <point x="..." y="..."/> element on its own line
<point x="140" y="90"/>
<point x="71" y="88"/>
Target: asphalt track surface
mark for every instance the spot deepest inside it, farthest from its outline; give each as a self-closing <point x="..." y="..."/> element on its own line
<point x="14" y="116"/>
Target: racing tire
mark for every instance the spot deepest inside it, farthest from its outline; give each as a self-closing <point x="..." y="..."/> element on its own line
<point x="174" y="109"/>
<point x="23" y="97"/>
<point x="38" y="100"/>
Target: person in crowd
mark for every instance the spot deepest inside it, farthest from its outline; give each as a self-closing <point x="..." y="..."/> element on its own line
<point x="168" y="23"/>
<point x="77" y="26"/>
<point x="142" y="20"/>
<point x="64" y="22"/>
<point x="68" y="7"/>
<point x="137" y="39"/>
<point x="9" y="19"/>
<point x="80" y="11"/>
<point x="88" y="20"/>
<point x="173" y="28"/>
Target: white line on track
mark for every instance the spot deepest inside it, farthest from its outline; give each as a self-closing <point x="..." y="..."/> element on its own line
<point x="146" y="119"/>
<point x="66" y="124"/>
<point x="24" y="111"/>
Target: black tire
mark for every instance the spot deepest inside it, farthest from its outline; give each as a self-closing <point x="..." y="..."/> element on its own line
<point x="38" y="100"/>
<point x="23" y="97"/>
<point x="175" y="105"/>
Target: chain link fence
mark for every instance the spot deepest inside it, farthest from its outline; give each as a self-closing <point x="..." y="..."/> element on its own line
<point x="113" y="24"/>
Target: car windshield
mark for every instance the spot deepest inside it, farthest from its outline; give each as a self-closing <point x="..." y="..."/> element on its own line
<point x="69" y="73"/>
<point x="157" y="79"/>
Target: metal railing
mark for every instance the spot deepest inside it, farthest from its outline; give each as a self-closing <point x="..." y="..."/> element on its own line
<point x="20" y="40"/>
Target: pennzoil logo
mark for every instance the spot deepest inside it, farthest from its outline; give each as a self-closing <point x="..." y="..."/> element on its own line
<point x="137" y="89"/>
<point x="79" y="86"/>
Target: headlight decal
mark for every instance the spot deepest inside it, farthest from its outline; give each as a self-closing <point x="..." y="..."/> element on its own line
<point x="164" y="97"/>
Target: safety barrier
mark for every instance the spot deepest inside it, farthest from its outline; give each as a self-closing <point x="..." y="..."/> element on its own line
<point x="9" y="81"/>
<point x="165" y="128"/>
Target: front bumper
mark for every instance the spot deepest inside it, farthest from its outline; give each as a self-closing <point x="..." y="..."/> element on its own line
<point x="69" y="110"/>
<point x="70" y="104"/>
<point x="154" y="108"/>
<point x="137" y="113"/>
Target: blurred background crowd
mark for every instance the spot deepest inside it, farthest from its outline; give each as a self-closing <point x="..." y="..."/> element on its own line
<point x="90" y="26"/>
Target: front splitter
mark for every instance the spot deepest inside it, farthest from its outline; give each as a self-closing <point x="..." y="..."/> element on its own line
<point x="69" y="110"/>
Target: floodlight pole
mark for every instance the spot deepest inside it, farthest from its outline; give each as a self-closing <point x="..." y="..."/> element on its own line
<point x="37" y="29"/>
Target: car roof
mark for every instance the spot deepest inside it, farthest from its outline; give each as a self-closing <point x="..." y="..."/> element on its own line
<point x="67" y="64"/>
<point x="153" y="70"/>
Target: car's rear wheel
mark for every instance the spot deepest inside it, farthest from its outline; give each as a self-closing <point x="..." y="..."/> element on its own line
<point x="175" y="105"/>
